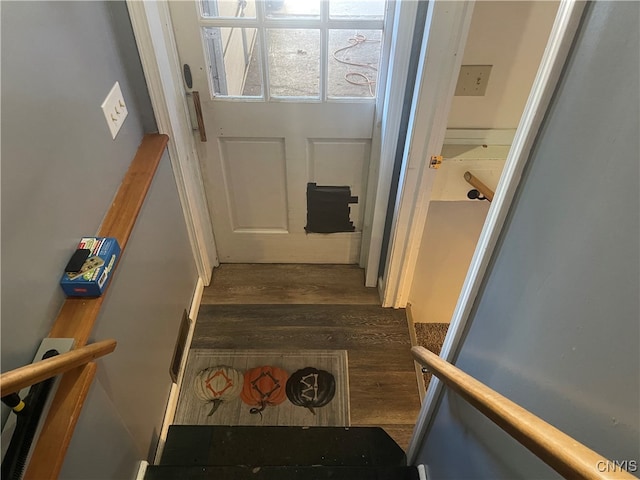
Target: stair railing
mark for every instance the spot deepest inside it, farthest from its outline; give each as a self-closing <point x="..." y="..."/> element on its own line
<point x="564" y="454"/>
<point x="23" y="377"/>
<point x="482" y="189"/>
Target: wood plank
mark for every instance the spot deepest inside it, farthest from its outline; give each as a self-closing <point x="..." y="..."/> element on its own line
<point x="51" y="448"/>
<point x="24" y="377"/>
<point x="564" y="454"/>
<point x="307" y="315"/>
<point x="277" y="337"/>
<point x="394" y="359"/>
<point x="286" y="284"/>
<point x="78" y="315"/>
<point x="302" y="326"/>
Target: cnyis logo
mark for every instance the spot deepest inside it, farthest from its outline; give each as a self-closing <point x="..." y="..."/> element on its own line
<point x="610" y="466"/>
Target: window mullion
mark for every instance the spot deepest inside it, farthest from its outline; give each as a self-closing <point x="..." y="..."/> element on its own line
<point x="324" y="49"/>
<point x="264" y="50"/>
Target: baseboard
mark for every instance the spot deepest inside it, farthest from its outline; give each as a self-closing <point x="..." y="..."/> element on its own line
<point x="381" y="288"/>
<point x="414" y="343"/>
<point x="172" y="403"/>
<point x="142" y="470"/>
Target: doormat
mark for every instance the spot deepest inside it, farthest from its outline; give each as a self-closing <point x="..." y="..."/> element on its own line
<point x="265" y="387"/>
<point x="430" y="336"/>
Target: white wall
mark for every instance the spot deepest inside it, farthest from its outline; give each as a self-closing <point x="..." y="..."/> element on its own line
<point x="484" y="161"/>
<point x="449" y="240"/>
<point x="555" y="326"/>
<point x="511" y="36"/>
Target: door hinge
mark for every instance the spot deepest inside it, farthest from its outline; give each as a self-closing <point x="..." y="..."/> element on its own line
<point x="436" y="161"/>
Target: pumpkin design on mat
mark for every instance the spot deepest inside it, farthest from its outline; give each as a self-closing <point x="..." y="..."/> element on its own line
<point x="218" y="385"/>
<point x="311" y="388"/>
<point x="264" y="386"/>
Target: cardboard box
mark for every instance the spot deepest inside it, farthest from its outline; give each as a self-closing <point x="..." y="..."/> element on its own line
<point x="96" y="271"/>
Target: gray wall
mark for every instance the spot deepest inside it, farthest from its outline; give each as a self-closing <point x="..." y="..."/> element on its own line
<point x="60" y="171"/>
<point x="555" y="327"/>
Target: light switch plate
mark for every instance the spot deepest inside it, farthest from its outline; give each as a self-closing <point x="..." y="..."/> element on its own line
<point x="473" y="80"/>
<point x="115" y="110"/>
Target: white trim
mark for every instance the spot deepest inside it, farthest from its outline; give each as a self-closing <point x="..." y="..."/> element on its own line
<point x="172" y="403"/>
<point x="479" y="136"/>
<point x="411" y="324"/>
<point x="552" y="63"/>
<point x="142" y="470"/>
<point x="386" y="128"/>
<point x="322" y="21"/>
<point x="381" y="288"/>
<point x="152" y="28"/>
<point x="423" y="472"/>
<point x="446" y="29"/>
<point x="389" y="36"/>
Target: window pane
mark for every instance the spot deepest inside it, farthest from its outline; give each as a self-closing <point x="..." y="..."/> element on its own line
<point x="292" y="8"/>
<point x="294" y="62"/>
<point x="229" y="8"/>
<point x="234" y="56"/>
<point x="354" y="56"/>
<point x="371" y="9"/>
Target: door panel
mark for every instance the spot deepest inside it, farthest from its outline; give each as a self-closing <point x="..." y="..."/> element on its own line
<point x="265" y="86"/>
<point x="341" y="162"/>
<point x="255" y="174"/>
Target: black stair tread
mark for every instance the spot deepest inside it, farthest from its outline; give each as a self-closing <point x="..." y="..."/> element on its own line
<point x="172" y="472"/>
<point x="280" y="446"/>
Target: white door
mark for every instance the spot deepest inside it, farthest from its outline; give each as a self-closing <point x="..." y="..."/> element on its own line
<point x="287" y="90"/>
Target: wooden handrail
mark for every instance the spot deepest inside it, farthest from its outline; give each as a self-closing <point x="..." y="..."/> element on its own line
<point x="565" y="455"/>
<point x="16" y="380"/>
<point x="78" y="315"/>
<point x="481" y="187"/>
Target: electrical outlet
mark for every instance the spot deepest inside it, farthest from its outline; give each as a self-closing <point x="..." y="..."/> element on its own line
<point x="472" y="81"/>
<point x="115" y="110"/>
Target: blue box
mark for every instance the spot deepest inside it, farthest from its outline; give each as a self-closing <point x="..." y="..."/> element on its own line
<point x="97" y="270"/>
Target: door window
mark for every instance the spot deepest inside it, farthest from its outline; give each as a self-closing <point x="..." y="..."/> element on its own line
<point x="292" y="49"/>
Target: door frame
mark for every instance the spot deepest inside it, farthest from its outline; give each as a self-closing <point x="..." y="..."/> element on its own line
<point x="553" y="60"/>
<point x="388" y="118"/>
<point x="153" y="32"/>
<point x="443" y="46"/>
<point x="445" y="37"/>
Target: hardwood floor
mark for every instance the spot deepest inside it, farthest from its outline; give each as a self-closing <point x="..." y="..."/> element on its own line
<point x="289" y="284"/>
<point x="322" y="307"/>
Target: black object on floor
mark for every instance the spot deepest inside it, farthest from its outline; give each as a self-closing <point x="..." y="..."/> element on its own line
<point x="204" y="445"/>
<point x="169" y="472"/>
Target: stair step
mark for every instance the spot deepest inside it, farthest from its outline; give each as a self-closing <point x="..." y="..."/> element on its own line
<point x="280" y="446"/>
<point x="172" y="472"/>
